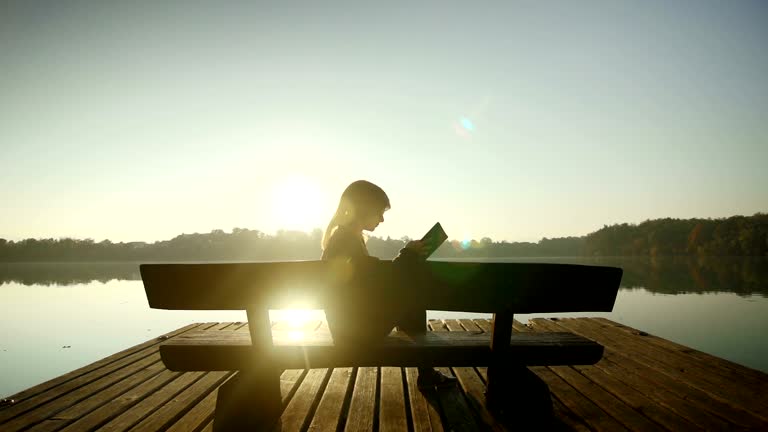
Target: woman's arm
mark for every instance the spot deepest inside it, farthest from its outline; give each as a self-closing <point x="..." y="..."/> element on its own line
<point x="345" y="244"/>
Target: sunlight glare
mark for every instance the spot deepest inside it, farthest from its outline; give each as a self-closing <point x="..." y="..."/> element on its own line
<point x="298" y="204"/>
<point x="296" y="319"/>
<point x="295" y="335"/>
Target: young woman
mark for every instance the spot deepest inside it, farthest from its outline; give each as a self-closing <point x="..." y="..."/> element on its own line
<point x="361" y="208"/>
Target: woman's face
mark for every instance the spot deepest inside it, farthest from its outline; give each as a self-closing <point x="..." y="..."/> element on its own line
<point x="370" y="221"/>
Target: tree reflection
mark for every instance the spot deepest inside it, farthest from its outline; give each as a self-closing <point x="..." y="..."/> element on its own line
<point x="663" y="275"/>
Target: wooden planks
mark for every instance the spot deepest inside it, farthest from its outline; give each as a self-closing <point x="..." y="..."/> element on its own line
<point x="424" y="406"/>
<point x="457" y="412"/>
<point x="392" y="413"/>
<point x="678" y="378"/>
<point x="298" y="412"/>
<point x="362" y="409"/>
<point x="330" y="411"/>
<point x="642" y="383"/>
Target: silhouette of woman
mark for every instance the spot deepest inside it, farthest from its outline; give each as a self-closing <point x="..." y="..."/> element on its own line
<point x="361" y="208"/>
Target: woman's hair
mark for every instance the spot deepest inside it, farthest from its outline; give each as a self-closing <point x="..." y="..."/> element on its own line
<point x="359" y="199"/>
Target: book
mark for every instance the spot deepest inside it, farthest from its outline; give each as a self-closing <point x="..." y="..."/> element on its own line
<point x="433" y="239"/>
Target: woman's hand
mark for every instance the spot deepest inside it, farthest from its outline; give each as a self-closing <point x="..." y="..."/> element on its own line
<point x="417" y="246"/>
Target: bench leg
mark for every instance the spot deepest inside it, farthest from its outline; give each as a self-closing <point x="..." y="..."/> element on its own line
<point x="519" y="395"/>
<point x="249" y="401"/>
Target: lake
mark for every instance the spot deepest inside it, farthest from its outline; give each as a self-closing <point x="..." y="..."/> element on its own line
<point x="58" y="317"/>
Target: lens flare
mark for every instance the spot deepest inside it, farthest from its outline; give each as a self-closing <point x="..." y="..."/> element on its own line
<point x="464" y="127"/>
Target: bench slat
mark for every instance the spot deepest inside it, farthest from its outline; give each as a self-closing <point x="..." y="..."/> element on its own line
<point x="452" y="286"/>
<point x="225" y="350"/>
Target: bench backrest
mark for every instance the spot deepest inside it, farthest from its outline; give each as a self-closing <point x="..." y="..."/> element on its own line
<point x="452" y="286"/>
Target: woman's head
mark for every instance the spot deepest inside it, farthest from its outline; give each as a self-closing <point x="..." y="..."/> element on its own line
<point x="362" y="204"/>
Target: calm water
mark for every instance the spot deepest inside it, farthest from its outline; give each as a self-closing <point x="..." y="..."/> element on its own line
<point x="58" y="317"/>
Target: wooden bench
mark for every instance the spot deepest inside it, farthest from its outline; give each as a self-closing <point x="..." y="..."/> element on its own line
<point x="251" y="399"/>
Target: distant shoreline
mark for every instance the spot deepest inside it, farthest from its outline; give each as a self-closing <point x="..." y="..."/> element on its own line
<point x="735" y="236"/>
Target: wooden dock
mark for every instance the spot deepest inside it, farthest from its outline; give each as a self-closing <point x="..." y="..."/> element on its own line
<point x="642" y="383"/>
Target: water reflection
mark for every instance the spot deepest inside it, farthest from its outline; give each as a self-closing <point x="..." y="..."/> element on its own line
<point x="670" y="275"/>
<point x="681" y="275"/>
<point x="67" y="273"/>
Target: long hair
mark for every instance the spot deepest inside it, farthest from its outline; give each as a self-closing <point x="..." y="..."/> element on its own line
<point x="359" y="199"/>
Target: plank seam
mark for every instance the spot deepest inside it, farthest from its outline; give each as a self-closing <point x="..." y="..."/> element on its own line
<point x="711" y="411"/>
<point x="377" y="400"/>
<point x="294" y="389"/>
<point x="131" y="404"/>
<point x="197" y="400"/>
<point x="316" y="400"/>
<point x="67" y="422"/>
<point x="620" y="399"/>
<point x="658" y="403"/>
<point x="155" y="408"/>
<point x="553" y="325"/>
<point x="344" y="414"/>
<point x="573" y="414"/>
<point x="707" y="387"/>
<point x="406" y="401"/>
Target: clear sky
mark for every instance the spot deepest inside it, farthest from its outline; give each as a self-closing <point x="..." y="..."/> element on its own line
<point x="141" y="120"/>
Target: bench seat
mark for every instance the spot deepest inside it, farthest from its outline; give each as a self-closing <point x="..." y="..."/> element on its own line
<point x="232" y="350"/>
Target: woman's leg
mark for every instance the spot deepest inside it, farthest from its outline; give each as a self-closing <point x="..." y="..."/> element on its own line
<point x="413" y="320"/>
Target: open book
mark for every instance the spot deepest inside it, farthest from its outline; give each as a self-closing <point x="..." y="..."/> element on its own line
<point x="433" y="239"/>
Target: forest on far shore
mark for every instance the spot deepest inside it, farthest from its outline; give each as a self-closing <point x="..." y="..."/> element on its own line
<point x="732" y="236"/>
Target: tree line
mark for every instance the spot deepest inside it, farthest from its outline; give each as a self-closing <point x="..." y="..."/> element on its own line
<point x="733" y="236"/>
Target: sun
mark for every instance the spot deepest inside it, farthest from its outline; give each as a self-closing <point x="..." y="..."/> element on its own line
<point x="298" y="203"/>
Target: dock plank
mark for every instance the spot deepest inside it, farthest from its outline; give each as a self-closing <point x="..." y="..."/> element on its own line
<point x="623" y="402"/>
<point x="646" y="393"/>
<point x="472" y="383"/>
<point x="717" y="379"/>
<point x="298" y="413"/>
<point x="392" y="414"/>
<point x="148" y="405"/>
<point x="198" y="416"/>
<point x="176" y="407"/>
<point x="734" y="370"/>
<point x="329" y="414"/>
<point x="578" y="403"/>
<point x="455" y="409"/>
<point x="290" y="380"/>
<point x="642" y="383"/>
<point x="748" y="394"/>
<point x="612" y="405"/>
<point x="120" y="404"/>
<point x="424" y="406"/>
<point x="673" y="376"/>
<point x="470" y="325"/>
<point x="682" y="402"/>
<point x="363" y="404"/>
<point x="91" y="403"/>
<point x="564" y="418"/>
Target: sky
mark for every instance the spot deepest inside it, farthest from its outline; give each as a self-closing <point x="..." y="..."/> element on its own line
<point x="515" y="120"/>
